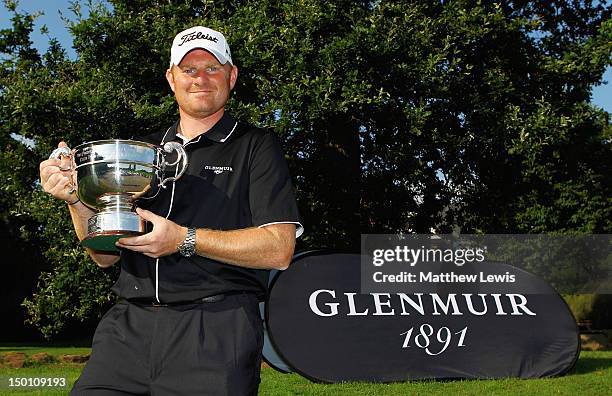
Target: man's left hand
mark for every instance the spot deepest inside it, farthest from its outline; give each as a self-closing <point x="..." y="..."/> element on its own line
<point x="162" y="241"/>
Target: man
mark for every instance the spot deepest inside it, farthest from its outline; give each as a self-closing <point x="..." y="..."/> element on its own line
<point x="187" y="321"/>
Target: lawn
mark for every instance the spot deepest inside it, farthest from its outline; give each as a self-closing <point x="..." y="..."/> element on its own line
<point x="592" y="376"/>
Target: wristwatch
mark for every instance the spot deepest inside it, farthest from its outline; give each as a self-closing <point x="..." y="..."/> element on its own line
<point x="187" y="247"/>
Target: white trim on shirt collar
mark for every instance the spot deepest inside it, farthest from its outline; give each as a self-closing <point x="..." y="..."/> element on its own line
<point x="230" y="134"/>
<point x="185" y="139"/>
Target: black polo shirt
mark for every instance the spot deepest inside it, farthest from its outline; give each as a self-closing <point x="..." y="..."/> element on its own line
<point x="236" y="178"/>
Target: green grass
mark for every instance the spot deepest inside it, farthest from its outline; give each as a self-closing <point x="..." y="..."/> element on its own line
<point x="592" y="376"/>
<point x="58" y="370"/>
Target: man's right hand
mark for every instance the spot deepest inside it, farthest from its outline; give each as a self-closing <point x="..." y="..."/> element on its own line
<point x="57" y="179"/>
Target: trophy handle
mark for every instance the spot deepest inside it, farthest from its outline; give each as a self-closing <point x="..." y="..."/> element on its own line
<point x="60" y="152"/>
<point x="181" y="157"/>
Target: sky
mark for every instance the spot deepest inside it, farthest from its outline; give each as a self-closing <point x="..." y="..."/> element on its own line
<point x="602" y="94"/>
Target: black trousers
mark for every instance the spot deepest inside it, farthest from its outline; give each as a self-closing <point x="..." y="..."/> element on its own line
<point x="209" y="348"/>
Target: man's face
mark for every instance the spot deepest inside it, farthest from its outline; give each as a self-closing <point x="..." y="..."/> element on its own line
<point x="201" y="84"/>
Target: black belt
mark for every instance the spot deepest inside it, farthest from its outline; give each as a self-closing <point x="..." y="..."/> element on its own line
<point x="205" y="300"/>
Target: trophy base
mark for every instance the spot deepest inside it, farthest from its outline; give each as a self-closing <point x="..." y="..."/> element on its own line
<point x="105" y="228"/>
<point x="106" y="242"/>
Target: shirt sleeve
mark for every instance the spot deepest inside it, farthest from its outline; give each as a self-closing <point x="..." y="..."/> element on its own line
<point x="271" y="194"/>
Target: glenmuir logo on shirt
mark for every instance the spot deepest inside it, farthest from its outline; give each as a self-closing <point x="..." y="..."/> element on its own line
<point x="218" y="169"/>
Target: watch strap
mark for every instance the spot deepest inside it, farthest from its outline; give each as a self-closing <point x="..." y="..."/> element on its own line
<point x="187" y="247"/>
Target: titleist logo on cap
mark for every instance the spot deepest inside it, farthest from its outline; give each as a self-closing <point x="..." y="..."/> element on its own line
<point x="200" y="37"/>
<point x="197" y="36"/>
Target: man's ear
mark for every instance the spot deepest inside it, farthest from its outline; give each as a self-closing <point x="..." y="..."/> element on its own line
<point x="170" y="78"/>
<point x="233" y="77"/>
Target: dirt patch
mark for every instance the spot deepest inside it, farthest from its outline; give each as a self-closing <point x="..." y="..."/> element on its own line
<point x="43" y="358"/>
<point x="13" y="359"/>
<point x="596" y="341"/>
<point x="75" y="358"/>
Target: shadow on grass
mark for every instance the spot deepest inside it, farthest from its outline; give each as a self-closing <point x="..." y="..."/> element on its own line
<point x="76" y="343"/>
<point x="589" y="364"/>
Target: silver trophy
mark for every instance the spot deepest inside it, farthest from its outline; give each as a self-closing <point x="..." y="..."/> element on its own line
<point x="111" y="175"/>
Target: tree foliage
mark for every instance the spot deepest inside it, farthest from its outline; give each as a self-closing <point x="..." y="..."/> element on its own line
<point x="394" y="116"/>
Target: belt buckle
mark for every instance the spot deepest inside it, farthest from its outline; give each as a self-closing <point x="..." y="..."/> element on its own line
<point x="214" y="298"/>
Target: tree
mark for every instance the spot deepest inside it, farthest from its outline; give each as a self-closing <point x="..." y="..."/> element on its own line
<point x="394" y="115"/>
<point x="487" y="124"/>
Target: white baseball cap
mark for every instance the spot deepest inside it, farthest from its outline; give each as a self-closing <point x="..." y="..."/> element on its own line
<point x="200" y="37"/>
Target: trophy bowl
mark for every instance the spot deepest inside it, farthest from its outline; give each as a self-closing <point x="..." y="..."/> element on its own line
<point x="110" y="175"/>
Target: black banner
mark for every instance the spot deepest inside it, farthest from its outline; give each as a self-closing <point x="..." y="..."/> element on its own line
<point x="323" y="327"/>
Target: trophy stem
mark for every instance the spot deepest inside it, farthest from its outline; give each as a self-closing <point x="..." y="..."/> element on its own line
<point x="115" y="220"/>
<point x="116" y="202"/>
